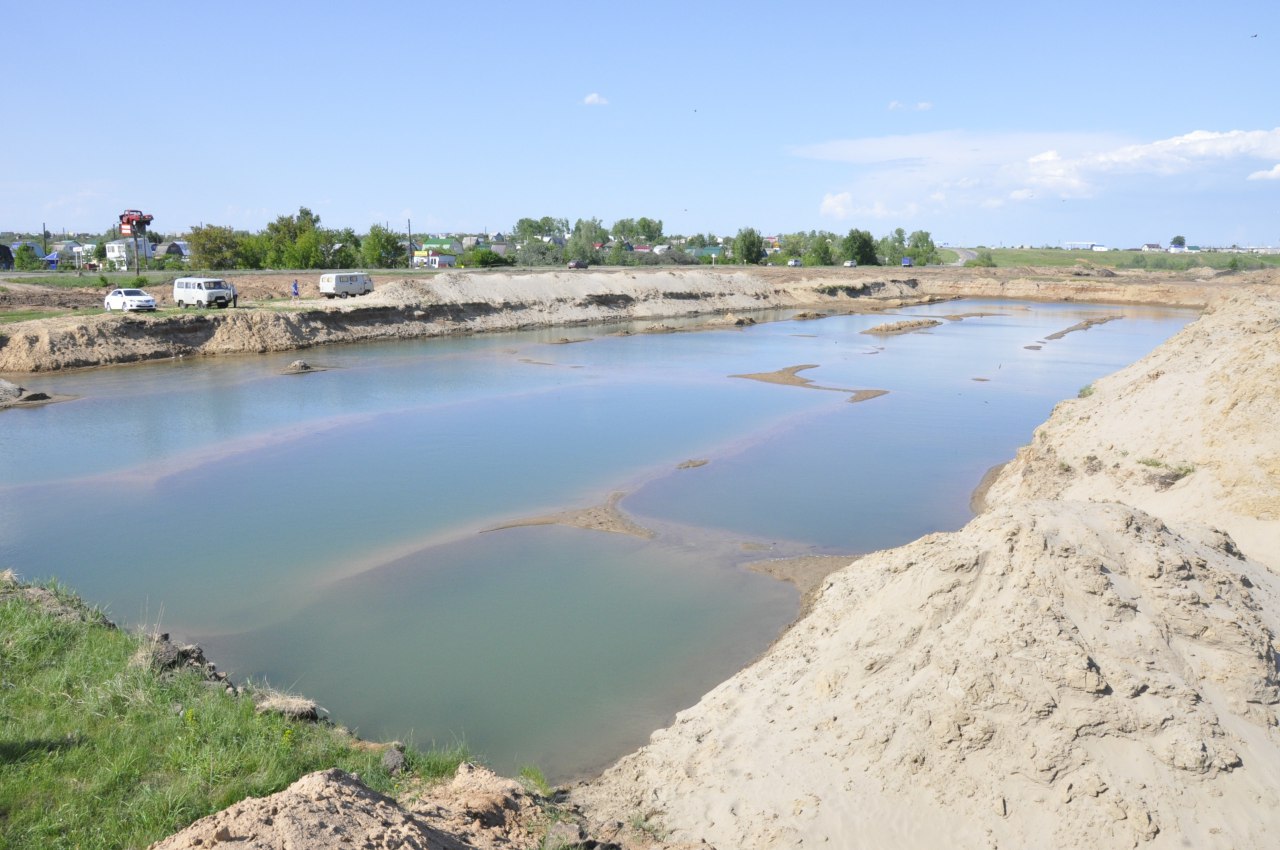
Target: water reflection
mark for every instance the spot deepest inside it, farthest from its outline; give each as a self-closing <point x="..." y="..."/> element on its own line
<point x="322" y="529"/>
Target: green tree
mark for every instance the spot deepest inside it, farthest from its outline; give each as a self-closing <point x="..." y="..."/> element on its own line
<point x="748" y="246"/>
<point x="304" y="252"/>
<point x="650" y="230"/>
<point x="100" y="250"/>
<point x="25" y="259"/>
<point x="251" y="252"/>
<point x="1178" y="242"/>
<point x="792" y="244"/>
<point x="214" y="247"/>
<point x="625" y="230"/>
<point x="618" y="254"/>
<point x="535" y="252"/>
<point x="284" y="234"/>
<point x="528" y="229"/>
<point x="381" y="249"/>
<point x="859" y="246"/>
<point x="818" y="250"/>
<point x="893" y="248"/>
<point x="340" y="248"/>
<point x="582" y="242"/>
<point x="920" y="248"/>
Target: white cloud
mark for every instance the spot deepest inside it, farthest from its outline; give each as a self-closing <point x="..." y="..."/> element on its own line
<point x="987" y="170"/>
<point x="836" y="206"/>
<point x="922" y="106"/>
<point x="595" y="99"/>
<point x="840" y="206"/>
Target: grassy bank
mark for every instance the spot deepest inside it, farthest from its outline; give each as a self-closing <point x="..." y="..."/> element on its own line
<point x="98" y="750"/>
<point x="1056" y="257"/>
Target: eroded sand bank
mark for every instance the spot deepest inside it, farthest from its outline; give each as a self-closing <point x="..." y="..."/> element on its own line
<point x="1087" y="664"/>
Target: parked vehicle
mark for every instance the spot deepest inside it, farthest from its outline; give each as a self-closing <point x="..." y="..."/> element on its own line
<point x="850" y="264"/>
<point x="202" y="292"/>
<point x="577" y="264"/>
<point x="343" y="284"/>
<point x="128" y="299"/>
<point x="794" y="262"/>
<point x="907" y="262"/>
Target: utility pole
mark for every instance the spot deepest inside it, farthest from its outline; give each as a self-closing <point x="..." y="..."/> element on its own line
<point x="133" y="223"/>
<point x="409" y="227"/>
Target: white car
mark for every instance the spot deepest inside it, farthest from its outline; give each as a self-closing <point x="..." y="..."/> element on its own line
<point x="850" y="264"/>
<point x="129" y="299"/>
<point x="793" y="262"/>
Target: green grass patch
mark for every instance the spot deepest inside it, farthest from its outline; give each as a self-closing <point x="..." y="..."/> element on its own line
<point x="98" y="280"/>
<point x="1153" y="261"/>
<point x="1086" y="391"/>
<point x="98" y="752"/>
<point x="533" y="779"/>
<point x="7" y="316"/>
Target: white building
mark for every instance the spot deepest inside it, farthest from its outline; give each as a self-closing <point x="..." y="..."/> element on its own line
<point x="120" y="252"/>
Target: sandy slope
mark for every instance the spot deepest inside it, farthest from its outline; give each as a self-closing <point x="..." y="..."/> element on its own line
<point x="1057" y="674"/>
<point x="1189" y="433"/>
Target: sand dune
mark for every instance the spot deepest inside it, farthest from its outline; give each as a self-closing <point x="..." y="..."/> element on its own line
<point x="1092" y="669"/>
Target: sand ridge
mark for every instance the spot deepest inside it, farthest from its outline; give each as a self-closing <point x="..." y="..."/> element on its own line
<point x="1087" y="664"/>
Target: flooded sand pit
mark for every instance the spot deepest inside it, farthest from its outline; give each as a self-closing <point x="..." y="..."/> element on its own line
<point x="343" y="557"/>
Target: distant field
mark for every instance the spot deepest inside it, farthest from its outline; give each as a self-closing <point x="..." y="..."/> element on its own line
<point x="1006" y="257"/>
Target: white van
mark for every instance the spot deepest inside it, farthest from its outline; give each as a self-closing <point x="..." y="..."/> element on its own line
<point x="342" y="284"/>
<point x="202" y="292"/>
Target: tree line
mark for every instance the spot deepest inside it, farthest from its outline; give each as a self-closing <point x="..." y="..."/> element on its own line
<point x="299" y="241"/>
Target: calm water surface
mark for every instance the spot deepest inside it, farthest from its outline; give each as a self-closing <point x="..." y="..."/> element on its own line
<point x="323" y="531"/>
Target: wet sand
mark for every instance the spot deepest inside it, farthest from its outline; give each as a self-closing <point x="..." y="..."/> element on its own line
<point x="959" y="317"/>
<point x="789" y="377"/>
<point x="1083" y="326"/>
<point x="805" y="572"/>
<point x="606" y="517"/>
<point x="910" y="326"/>
<point x="978" y="499"/>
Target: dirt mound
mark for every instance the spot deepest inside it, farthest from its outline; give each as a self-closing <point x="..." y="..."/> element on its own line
<point x="1054" y="675"/>
<point x="333" y="810"/>
<point x="330" y="810"/>
<point x="1057" y="674"/>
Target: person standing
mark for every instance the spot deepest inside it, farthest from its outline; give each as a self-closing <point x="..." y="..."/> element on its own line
<point x="235" y="296"/>
<point x="295" y="287"/>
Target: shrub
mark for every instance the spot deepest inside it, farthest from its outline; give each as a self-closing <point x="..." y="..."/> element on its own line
<point x="484" y="258"/>
<point x="984" y="260"/>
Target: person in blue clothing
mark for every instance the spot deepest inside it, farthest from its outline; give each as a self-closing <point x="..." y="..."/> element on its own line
<point x="295" y="287"/>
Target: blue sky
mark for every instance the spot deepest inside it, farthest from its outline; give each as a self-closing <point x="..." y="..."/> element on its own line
<point x="1120" y="123"/>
